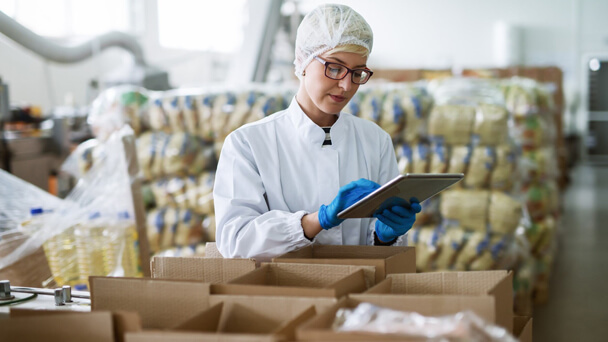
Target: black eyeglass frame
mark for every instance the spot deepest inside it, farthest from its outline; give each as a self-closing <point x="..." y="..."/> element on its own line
<point x="351" y="71"/>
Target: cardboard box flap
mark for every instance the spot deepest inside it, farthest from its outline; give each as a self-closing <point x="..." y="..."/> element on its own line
<point x="206" y="321"/>
<point x="122" y="321"/>
<point x="346" y="252"/>
<point x="94" y="327"/>
<point x="160" y="303"/>
<point x="460" y="283"/>
<point x="288" y="329"/>
<point x="302" y="280"/>
<point x="240" y="319"/>
<point x="211" y="251"/>
<point x="178" y="336"/>
<point x="217" y="270"/>
<point x="522" y="328"/>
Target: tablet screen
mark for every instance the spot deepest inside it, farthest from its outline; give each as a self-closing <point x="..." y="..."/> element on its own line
<point x="400" y="190"/>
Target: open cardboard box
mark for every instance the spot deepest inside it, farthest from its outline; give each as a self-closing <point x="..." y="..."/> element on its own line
<point x="51" y="325"/>
<point x="495" y="285"/>
<point x="160" y="303"/>
<point x="296" y="304"/>
<point x="522" y="328"/>
<point x="319" y="328"/>
<point x="208" y="270"/>
<point x="386" y="259"/>
<point x="234" y="322"/>
<point x="298" y="280"/>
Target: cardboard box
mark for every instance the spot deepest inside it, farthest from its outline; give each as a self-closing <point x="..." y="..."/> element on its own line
<point x="122" y="322"/>
<point x="71" y="327"/>
<point x="522" y="328"/>
<point x="297" y="280"/>
<point x="211" y="251"/>
<point x="319" y="328"/>
<point x="497" y="285"/>
<point x="160" y="303"/>
<point x="203" y="269"/>
<point x="234" y="322"/>
<point x="386" y="259"/>
<point x="31" y="271"/>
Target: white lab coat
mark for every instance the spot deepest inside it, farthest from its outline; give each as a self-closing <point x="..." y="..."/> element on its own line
<point x="274" y="171"/>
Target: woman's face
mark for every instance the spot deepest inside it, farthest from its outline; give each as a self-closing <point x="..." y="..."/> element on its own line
<point x="321" y="97"/>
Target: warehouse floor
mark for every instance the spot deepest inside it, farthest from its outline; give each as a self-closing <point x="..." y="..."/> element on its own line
<point x="577" y="309"/>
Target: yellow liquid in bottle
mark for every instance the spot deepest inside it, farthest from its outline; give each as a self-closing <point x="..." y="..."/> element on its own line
<point x="90" y="246"/>
<point x="60" y="252"/>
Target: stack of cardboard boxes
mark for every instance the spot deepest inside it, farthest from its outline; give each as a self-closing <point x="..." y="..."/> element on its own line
<point x="295" y="297"/>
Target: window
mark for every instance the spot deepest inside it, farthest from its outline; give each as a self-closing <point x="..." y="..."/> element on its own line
<point x="201" y="25"/>
<point x="70" y="18"/>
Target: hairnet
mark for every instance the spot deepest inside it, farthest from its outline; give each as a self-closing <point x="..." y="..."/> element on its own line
<point x="327" y="27"/>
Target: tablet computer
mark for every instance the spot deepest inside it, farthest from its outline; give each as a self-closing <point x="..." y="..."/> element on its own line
<point x="399" y="191"/>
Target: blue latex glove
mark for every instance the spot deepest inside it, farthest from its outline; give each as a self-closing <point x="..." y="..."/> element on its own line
<point x="348" y="195"/>
<point x="396" y="220"/>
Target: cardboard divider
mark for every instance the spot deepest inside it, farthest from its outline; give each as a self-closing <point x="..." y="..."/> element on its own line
<point x="385" y="259"/>
<point x="497" y="284"/>
<point x="319" y="328"/>
<point x="160" y="303"/>
<point x="208" y="270"/>
<point x="289" y="305"/>
<point x="235" y="322"/>
<point x="522" y="328"/>
<point x="66" y="327"/>
<point x="299" y="280"/>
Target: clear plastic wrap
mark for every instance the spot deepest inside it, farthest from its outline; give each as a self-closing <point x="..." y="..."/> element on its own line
<point x="118" y="106"/>
<point x="90" y="232"/>
<point x="463" y="326"/>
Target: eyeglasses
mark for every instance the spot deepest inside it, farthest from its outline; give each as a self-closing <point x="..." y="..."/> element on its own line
<point x="337" y="71"/>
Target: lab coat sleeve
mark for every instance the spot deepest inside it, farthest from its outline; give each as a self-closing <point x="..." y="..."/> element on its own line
<point x="246" y="228"/>
<point x="388" y="170"/>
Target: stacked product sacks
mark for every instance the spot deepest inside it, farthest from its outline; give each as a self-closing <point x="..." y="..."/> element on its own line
<point x="180" y="135"/>
<point x="534" y="131"/>
<point x="471" y="226"/>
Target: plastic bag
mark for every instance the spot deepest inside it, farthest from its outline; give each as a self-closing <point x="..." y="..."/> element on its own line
<point x="90" y="232"/>
<point x="464" y="325"/>
<point x="118" y="106"/>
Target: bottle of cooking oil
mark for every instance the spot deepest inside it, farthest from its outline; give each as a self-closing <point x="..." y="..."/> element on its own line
<point x="90" y="245"/>
<point x="130" y="255"/>
<point x="59" y="249"/>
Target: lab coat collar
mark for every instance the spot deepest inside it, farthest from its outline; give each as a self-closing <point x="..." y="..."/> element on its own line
<point x="310" y="131"/>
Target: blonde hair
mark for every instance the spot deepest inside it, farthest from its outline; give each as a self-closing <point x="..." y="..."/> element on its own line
<point x="358" y="49"/>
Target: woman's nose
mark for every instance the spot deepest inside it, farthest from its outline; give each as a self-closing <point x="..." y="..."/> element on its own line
<point x="346" y="83"/>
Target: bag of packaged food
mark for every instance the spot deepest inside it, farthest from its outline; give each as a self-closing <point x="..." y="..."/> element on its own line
<point x="184" y="154"/>
<point x="157" y="117"/>
<point x="209" y="228"/>
<point x="147" y="153"/>
<point x="426" y="248"/>
<point x="242" y="110"/>
<point x="175" y="115"/>
<point x="452" y="124"/>
<point x="420" y="157"/>
<point x="155" y="228"/>
<point x="167" y="237"/>
<point x="491" y="125"/>
<point x="161" y="198"/>
<point x="439" y="158"/>
<point x="190" y="114"/>
<point x="414" y="109"/>
<point x="469" y="208"/>
<point x="205" y="114"/>
<point x="392" y="116"/>
<point x="404" y="158"/>
<point x="502" y="177"/>
<point x="118" y="106"/>
<point x="476" y="243"/>
<point x="537" y="201"/>
<point x="371" y="106"/>
<point x="450" y="244"/>
<point x="460" y="157"/>
<point x="223" y="107"/>
<point x="480" y="168"/>
<point x="204" y="204"/>
<point x="189" y="229"/>
<point x="505" y="213"/>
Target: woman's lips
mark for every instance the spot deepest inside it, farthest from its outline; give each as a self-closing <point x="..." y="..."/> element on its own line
<point x="337" y="98"/>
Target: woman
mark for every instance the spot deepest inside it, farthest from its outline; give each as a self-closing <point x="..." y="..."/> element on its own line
<point x="281" y="181"/>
